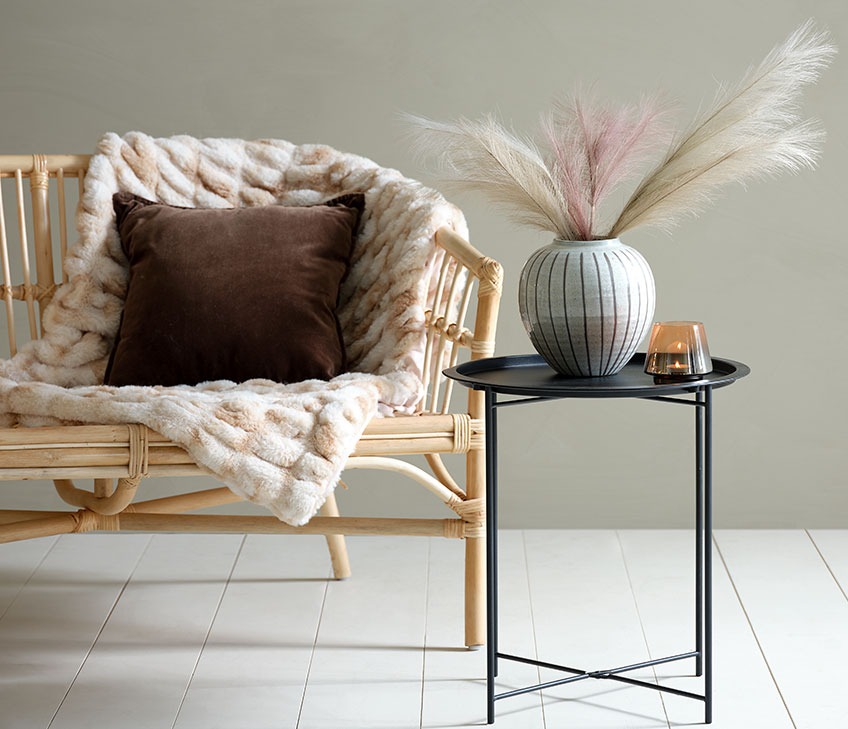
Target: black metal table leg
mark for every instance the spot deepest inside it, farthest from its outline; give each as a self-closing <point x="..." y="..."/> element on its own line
<point x="492" y="506"/>
<point x="491" y="555"/>
<point x="708" y="555"/>
<point x="699" y="534"/>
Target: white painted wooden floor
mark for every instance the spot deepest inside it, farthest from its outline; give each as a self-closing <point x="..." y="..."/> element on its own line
<point x="191" y="631"/>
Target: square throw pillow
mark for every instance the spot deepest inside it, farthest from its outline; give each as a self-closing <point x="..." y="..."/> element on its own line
<point x="231" y="294"/>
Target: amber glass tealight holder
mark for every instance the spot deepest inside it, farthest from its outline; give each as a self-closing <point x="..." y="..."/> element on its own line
<point x="678" y="352"/>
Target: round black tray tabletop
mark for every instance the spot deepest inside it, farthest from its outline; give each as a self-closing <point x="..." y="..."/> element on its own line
<point x="529" y="374"/>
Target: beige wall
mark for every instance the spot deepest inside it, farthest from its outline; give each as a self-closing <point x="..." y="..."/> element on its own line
<point x="764" y="269"/>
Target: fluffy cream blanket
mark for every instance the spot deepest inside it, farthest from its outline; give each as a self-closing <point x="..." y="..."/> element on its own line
<point x="282" y="446"/>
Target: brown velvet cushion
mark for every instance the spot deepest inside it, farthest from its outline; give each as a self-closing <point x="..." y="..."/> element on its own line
<point x="231" y="294"/>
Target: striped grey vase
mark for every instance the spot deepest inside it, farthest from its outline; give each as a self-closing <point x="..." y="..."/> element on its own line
<point x="586" y="305"/>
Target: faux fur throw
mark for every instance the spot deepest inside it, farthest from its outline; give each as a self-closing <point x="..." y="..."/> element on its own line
<point x="282" y="446"/>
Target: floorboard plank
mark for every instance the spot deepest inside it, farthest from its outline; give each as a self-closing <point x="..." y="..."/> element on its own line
<point x="455" y="678"/>
<point x="253" y="669"/>
<point x="799" y="615"/>
<point x="585" y="618"/>
<point x="832" y="545"/>
<point x="368" y="662"/>
<point x="661" y="569"/>
<point x="18" y="562"/>
<point x="140" y="666"/>
<point x="49" y="629"/>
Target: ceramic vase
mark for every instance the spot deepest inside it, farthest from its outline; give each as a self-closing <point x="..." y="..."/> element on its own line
<point x="586" y="305"/>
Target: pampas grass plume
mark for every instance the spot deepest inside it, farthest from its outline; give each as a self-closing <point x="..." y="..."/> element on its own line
<point x="484" y="156"/>
<point x="751" y="131"/>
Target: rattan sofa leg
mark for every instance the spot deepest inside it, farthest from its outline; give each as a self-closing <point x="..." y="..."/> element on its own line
<point x="336" y="542"/>
<point x="475" y="557"/>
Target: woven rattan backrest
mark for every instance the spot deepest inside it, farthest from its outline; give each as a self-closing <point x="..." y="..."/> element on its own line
<point x="447" y="335"/>
<point x="38" y="195"/>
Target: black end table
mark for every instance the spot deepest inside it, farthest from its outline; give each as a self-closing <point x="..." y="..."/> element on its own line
<point x="528" y="379"/>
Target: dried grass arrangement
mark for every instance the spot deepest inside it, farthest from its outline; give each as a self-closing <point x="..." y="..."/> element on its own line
<point x="751" y="130"/>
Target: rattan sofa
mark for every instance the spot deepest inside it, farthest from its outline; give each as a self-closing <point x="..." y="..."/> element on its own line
<point x="120" y="457"/>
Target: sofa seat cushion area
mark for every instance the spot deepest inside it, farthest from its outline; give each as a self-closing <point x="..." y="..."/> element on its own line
<point x="232" y="294"/>
<point x="276" y="436"/>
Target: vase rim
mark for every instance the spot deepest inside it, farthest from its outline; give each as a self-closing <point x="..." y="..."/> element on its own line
<point x="593" y="242"/>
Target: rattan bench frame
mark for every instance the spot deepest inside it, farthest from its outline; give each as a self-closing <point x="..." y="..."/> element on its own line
<point x="119" y="457"/>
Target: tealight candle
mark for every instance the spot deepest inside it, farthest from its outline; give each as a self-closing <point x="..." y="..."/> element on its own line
<point x="678" y="351"/>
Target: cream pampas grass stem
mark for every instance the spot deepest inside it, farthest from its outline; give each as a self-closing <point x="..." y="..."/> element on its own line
<point x="752" y="130"/>
<point x="485" y="157"/>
